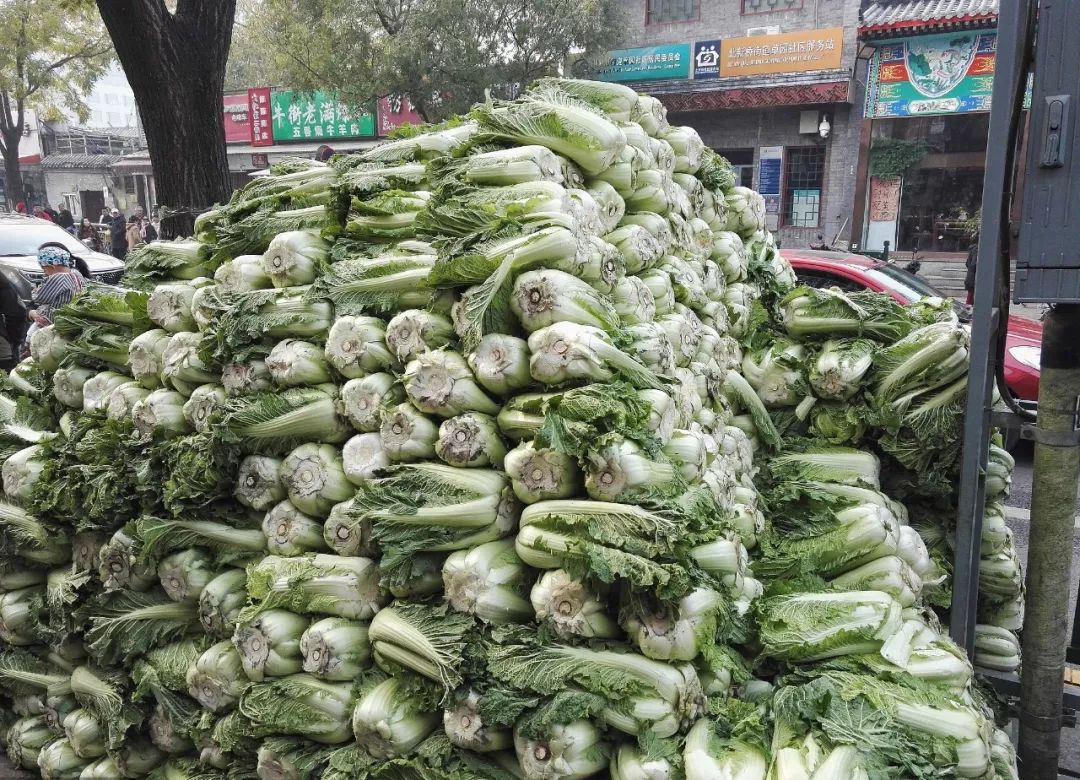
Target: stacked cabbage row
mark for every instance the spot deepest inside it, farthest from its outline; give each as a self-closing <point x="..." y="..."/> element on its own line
<point x="438" y="462"/>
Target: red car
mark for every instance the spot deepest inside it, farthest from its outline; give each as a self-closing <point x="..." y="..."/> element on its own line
<point x="857" y="272"/>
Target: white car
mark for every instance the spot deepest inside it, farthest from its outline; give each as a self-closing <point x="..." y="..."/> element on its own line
<point x="20" y="237"/>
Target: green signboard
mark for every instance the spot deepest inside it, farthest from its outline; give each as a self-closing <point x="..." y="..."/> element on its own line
<point x="316" y="116"/>
<point x="671" y="61"/>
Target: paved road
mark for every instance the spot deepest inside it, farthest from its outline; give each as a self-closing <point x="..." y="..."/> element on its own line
<point x="1018" y="504"/>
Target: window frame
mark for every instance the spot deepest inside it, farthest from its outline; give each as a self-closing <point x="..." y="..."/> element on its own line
<point x="785" y="198"/>
<point x="743" y="12"/>
<point x="649" y="21"/>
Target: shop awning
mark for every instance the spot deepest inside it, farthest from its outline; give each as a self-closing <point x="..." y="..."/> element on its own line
<point x="810" y="89"/>
<point x="892" y="16"/>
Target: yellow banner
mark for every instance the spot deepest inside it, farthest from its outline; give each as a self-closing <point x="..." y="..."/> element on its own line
<point x="794" y="52"/>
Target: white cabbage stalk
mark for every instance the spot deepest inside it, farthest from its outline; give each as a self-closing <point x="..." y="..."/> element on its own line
<point x="356" y="346"/>
<point x="688" y="451"/>
<point x="486" y="581"/>
<point x="204" y="409"/>
<point x="567" y="351"/>
<point x="541" y="298"/>
<point x="465" y="727"/>
<point x="640" y="248"/>
<point x="663" y="294"/>
<point x="746" y="211"/>
<point x="650" y="345"/>
<point x="539" y="474"/>
<point x="838" y="370"/>
<point x="217" y="678"/>
<point x="119" y="568"/>
<point x="425" y="578"/>
<point x="203" y="304"/>
<point x="739" y="300"/>
<point x="98" y="389"/>
<point x="363" y="457"/>
<point x="295" y="258"/>
<point x="59" y="761"/>
<point x="730" y="254"/>
<point x="688" y="147"/>
<point x="651" y="114"/>
<point x="136" y="757"/>
<point x="442" y="383"/>
<point x="633" y="301"/>
<point x="889" y="574"/>
<point x="566" y="752"/>
<point x="221" y="601"/>
<point x="630" y="763"/>
<point x="407" y="434"/>
<point x="242" y="274"/>
<point x="145" y="357"/>
<point x="346" y="534"/>
<point x="912" y="549"/>
<point x="269" y="644"/>
<point x="26" y="738"/>
<point x="706" y="757"/>
<point x="685" y="331"/>
<point x="301" y="705"/>
<point x="662" y="413"/>
<point x="84" y="733"/>
<point x="247" y="378"/>
<point x="258" y="484"/>
<point x="161" y="411"/>
<point x="336" y="649"/>
<point x="470" y="439"/>
<point x="181" y="364"/>
<point x="996" y="648"/>
<point x="500" y="364"/>
<point x="673" y="635"/>
<point x="169" y="307"/>
<point x="67" y="385"/>
<point x="611" y="205"/>
<point x="295" y="363"/>
<point x="414" y="331"/>
<point x="362" y="400"/>
<point x="319" y="584"/>
<point x="289" y="531"/>
<point x="515" y="165"/>
<point x="620" y="467"/>
<point x="19" y="615"/>
<point x="102" y="769"/>
<point x="21" y="472"/>
<point x="123" y="400"/>
<point x="776" y="373"/>
<point x="48" y="348"/>
<point x="570" y="607"/>
<point x="165" y="734"/>
<point x="184" y="574"/>
<point x="387" y="722"/>
<point x="314" y="478"/>
<point x="806" y="627"/>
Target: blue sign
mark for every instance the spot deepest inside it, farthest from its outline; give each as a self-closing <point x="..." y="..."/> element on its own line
<point x="670" y="61"/>
<point x="707" y="59"/>
<point x="770" y="168"/>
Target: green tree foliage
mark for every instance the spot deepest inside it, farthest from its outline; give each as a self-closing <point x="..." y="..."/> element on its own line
<point x="50" y="56"/>
<point x="442" y="54"/>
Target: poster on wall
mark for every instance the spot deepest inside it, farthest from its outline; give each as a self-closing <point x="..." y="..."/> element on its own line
<point x="883" y="212"/>
<point x="936" y="74"/>
<point x="770" y="176"/>
<point x="237" y="113"/>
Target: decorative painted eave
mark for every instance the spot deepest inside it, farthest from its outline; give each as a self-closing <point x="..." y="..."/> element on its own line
<point x="885" y="19"/>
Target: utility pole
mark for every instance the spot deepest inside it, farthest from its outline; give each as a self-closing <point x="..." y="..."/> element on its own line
<point x="1053" y="506"/>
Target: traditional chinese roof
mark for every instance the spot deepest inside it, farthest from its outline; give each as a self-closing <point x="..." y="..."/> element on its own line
<point x="86" y="161"/>
<point x="882" y="17"/>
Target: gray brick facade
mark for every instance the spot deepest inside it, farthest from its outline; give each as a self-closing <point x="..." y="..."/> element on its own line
<point x="753" y="128"/>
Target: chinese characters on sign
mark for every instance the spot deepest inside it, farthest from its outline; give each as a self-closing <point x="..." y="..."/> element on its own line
<point x="259" y="116"/>
<point x="770" y="168"/>
<point x="884" y="198"/>
<point x="298" y="116"/>
<point x="395" y="111"/>
<point x="671" y="61"/>
<point x="707" y="59"/>
<point x="237" y="119"/>
<point x="795" y="52"/>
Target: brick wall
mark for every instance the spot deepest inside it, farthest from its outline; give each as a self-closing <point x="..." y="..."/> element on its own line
<point x="754" y="128"/>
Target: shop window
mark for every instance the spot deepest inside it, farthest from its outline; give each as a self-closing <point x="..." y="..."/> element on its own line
<point x="129" y="185"/>
<point x="770" y="6"/>
<point x="742" y="160"/>
<point x="661" y="11"/>
<point x="804" y="175"/>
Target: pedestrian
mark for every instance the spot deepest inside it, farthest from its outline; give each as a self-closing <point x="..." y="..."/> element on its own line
<point x="147" y="231"/>
<point x="970" y="263"/>
<point x="117" y="231"/>
<point x="60" y="285"/>
<point x="53" y="214"/>
<point x="133" y="232"/>
<point x="64" y="219"/>
<point x="88" y="234"/>
<point x="14" y="325"/>
<point x="41" y="213"/>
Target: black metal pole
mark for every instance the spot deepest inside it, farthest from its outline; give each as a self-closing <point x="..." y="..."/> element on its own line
<point x="1050" y="545"/>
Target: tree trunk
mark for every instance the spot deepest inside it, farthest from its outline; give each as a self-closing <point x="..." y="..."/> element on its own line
<point x="13" y="183"/>
<point x="175" y="64"/>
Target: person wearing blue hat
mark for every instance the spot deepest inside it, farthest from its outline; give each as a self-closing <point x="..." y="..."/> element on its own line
<point x="60" y="285"/>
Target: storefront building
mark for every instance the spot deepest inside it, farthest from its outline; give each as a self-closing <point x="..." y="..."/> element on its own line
<point x="767" y="83"/>
<point x="926" y="117"/>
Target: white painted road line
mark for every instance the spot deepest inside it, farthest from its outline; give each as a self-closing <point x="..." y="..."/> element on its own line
<point x="1017" y="513"/>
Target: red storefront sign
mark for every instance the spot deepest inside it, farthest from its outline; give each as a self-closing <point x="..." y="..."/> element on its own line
<point x="259" y="111"/>
<point x="237" y="119"/>
<point x="395" y="111"/>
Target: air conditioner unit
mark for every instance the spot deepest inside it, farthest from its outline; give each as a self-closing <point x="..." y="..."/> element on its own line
<point x="772" y="29"/>
<point x="808" y="122"/>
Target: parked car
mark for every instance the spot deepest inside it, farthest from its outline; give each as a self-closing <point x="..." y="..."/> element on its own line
<point x="20" y="237"/>
<point x="851" y="272"/>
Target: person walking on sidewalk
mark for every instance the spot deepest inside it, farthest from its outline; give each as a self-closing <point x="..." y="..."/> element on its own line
<point x="969" y="276"/>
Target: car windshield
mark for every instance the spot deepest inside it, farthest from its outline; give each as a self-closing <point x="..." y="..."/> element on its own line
<point x="909" y="286"/>
<point x="24" y="240"/>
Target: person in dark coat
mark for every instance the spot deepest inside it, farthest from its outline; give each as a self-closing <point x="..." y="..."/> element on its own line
<point x="13" y="314"/>
<point x="969" y="276"/>
<point x="64" y="219"/>
<point x="118" y="232"/>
